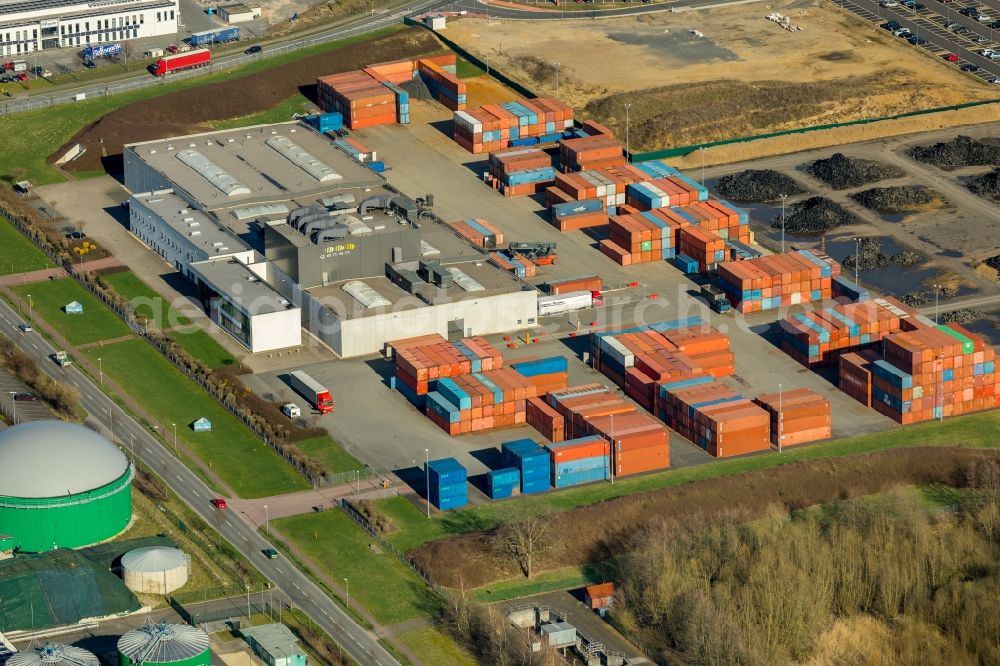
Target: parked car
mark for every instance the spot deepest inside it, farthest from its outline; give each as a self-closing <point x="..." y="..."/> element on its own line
<point x="983" y="18"/>
<point x="254" y="49"/>
<point x="888" y="3"/>
<point x="220" y="503"/>
<point x="968" y="11"/>
<point x="25" y="328"/>
<point x="951" y="57"/>
<point x="173" y="48"/>
<point x="890" y="25"/>
<point x="969" y="68"/>
<point x="270" y="553"/>
<point x="982" y="40"/>
<point x="917" y="40"/>
<point x="950" y="24"/>
<point x="25" y="397"/>
<point x="995" y="80"/>
<point x="76" y="235"/>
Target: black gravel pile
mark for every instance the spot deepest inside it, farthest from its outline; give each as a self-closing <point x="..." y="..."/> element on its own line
<point x="921" y="297"/>
<point x="872" y="257"/>
<point x="986" y="185"/>
<point x="993" y="262"/>
<point x="962" y="317"/>
<point x="896" y="199"/>
<point x="841" y="172"/>
<point x="755" y="185"/>
<point x="959" y="152"/>
<point x="814" y="216"/>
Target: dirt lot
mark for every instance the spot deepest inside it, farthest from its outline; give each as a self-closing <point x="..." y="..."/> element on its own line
<point x="185" y="111"/>
<point x="602" y="531"/>
<point x="774" y="79"/>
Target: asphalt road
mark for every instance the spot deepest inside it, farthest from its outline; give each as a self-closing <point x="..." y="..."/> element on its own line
<point x="362" y="25"/>
<point x="303" y="593"/>
<point x="929" y="24"/>
<point x="552" y="12"/>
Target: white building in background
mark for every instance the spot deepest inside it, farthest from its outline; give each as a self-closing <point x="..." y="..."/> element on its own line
<point x="27" y="26"/>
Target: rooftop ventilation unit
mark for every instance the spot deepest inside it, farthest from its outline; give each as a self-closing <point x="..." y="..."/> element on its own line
<point x="213" y="173"/>
<point x="292" y="152"/>
<point x="365" y="295"/>
<point x="464" y="281"/>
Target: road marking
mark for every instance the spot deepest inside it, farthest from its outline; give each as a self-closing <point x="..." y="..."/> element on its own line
<point x="295" y="586"/>
<point x="279" y="571"/>
<point x="34" y="345"/>
<point x="227" y="523"/>
<point x="179" y="478"/>
<point x="76" y="384"/>
<point x="196" y="494"/>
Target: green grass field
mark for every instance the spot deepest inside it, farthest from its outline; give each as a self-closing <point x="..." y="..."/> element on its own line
<point x="279" y="114"/>
<point x="29" y="138"/>
<point x="250" y="467"/>
<point x="95" y="323"/>
<point x="203" y="347"/>
<point x="17" y="253"/>
<point x="146" y="301"/>
<point x="390" y="591"/>
<point x="974" y="430"/>
<point x="431" y="646"/>
<point x="548" y="581"/>
<point x="330" y="453"/>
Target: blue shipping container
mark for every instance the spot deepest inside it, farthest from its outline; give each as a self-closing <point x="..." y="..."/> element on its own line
<point x="542" y="366"/>
<point x="446" y="471"/>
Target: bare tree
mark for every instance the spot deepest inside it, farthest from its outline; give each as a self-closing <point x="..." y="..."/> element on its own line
<point x="524" y="538"/>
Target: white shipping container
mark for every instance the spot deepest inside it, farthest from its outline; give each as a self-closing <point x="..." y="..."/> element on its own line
<point x="568" y="302"/>
<point x="617" y="351"/>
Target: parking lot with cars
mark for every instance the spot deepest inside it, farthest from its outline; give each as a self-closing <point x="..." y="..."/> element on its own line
<point x="964" y="33"/>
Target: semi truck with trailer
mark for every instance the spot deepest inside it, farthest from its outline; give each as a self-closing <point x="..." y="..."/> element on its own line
<point x="179" y="61"/>
<point x="312" y="390"/>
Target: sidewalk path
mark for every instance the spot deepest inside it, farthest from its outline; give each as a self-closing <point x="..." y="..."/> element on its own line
<point x="294" y="504"/>
<point x="55" y="272"/>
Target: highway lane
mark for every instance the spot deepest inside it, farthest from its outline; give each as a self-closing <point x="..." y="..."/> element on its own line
<point x="553" y="13"/>
<point x="138" y="441"/>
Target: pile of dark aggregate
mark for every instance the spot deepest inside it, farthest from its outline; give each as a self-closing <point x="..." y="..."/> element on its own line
<point x="757" y="185"/>
<point x="841" y="172"/>
<point x="895" y="199"/>
<point x="959" y="152"/>
<point x="814" y="216"/>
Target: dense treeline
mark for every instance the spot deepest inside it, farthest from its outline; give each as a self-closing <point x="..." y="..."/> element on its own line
<point x="881" y="580"/>
<point x="485" y="632"/>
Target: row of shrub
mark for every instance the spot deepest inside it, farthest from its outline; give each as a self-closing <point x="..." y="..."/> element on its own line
<point x="65" y="400"/>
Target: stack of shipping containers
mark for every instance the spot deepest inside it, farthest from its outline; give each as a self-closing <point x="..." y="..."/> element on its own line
<point x="855" y="374"/>
<point x="480" y="232"/>
<point x="447" y="479"/>
<point x="819" y="336"/>
<point x="421" y="361"/>
<point x="547" y="374"/>
<point x="547" y="421"/>
<point x="797" y="416"/>
<point x="446" y="88"/>
<point x="933" y="372"/>
<point x="590" y="152"/>
<point x="714" y="417"/>
<point x="531" y="462"/>
<point x="589" y="283"/>
<point x="778" y="280"/>
<point x="479" y="401"/>
<point x="513" y="262"/>
<point x="522" y="171"/>
<point x="520" y="123"/>
<point x="579" y="461"/>
<point x="503" y="483"/>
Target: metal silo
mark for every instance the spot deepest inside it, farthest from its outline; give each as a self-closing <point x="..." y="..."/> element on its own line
<point x="174" y="644"/>
<point x="155" y="569"/>
<point x="61" y="486"/>
<point x="53" y="654"/>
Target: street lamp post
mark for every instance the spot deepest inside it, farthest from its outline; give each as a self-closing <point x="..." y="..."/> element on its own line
<point x="175" y="439"/>
<point x="937" y="293"/>
<point x="558" y="65"/>
<point x="427" y="479"/>
<point x="780" y="419"/>
<point x="13" y="407"/>
<point x="347" y="584"/>
<point x="627" y="146"/>
<point x="267" y="521"/>
<point x="100" y="369"/>
<point x="857" y="259"/>
<point x="702" y="151"/>
<point x="248" y="601"/>
<point x="783" y="197"/>
<point x="31" y="306"/>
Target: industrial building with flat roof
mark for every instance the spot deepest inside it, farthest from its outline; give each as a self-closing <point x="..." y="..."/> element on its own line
<point x="238" y="298"/>
<point x="284" y="164"/>
<point x="275" y="644"/>
<point x="357" y="262"/>
<point x="27" y="26"/>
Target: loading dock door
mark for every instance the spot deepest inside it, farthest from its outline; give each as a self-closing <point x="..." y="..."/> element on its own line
<point x="456" y="329"/>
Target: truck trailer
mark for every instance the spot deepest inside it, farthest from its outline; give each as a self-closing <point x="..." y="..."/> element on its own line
<point x="179" y="61"/>
<point x="215" y="36"/>
<point x="312" y="390"/>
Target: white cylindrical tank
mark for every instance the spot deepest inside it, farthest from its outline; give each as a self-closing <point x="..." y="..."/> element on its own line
<point x="155" y="570"/>
<point x="53" y="654"/>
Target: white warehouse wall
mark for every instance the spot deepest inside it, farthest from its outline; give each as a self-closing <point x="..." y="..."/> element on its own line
<point x="276" y="330"/>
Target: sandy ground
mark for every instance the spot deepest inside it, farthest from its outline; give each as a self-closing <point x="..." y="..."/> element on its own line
<point x="598" y="59"/>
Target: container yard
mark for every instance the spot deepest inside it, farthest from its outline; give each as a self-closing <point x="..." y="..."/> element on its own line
<point x="780" y="280"/>
<point x="519" y="123"/>
<point x="798" y="416"/>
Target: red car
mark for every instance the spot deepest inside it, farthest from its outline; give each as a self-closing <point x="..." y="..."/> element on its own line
<point x="951" y="57"/>
<point x="220" y="503"/>
<point x="173" y="48"/>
